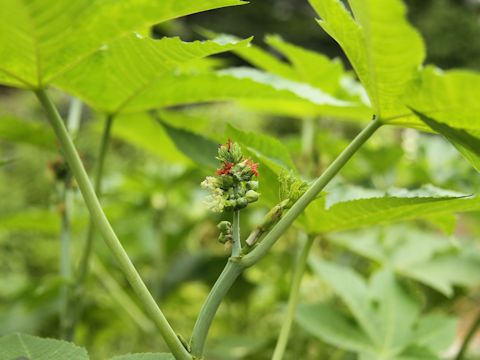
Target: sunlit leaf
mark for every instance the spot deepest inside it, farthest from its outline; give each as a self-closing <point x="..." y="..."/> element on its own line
<point x="378" y="208"/>
<point x="40" y="40"/>
<point x="383" y="48"/>
<point x="127" y="67"/>
<point x="466" y="142"/>
<point x="310" y="66"/>
<point x="448" y="97"/>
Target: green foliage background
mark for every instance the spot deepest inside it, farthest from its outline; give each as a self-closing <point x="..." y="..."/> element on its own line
<point x="153" y="198"/>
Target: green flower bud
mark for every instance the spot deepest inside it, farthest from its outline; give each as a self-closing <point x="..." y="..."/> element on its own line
<point x="235" y="153"/>
<point x="230" y="204"/>
<point x="241" y="203"/>
<point x="230" y="152"/>
<point x="224" y="226"/>
<point x="222" y="238"/>
<point x="251" y="196"/>
<point x="252" y="185"/>
<point x="226" y="182"/>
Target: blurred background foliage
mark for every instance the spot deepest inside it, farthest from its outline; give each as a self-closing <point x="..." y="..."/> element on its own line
<point x="153" y="198"/>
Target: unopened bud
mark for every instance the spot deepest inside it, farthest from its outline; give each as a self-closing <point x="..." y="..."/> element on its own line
<point x="241" y="203"/>
<point x="252" y="185"/>
<point x="224" y="226"/>
<point x="251" y="196"/>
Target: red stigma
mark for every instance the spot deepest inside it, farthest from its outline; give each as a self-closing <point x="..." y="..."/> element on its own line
<point x="225" y="170"/>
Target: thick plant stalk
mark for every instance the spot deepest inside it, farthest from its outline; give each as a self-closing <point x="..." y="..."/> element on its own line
<point x="65" y="261"/>
<point x="231" y="272"/>
<point x="84" y="262"/>
<point x="211" y="304"/>
<point x="293" y="298"/>
<point x="104" y="227"/>
<point x="262" y="249"/>
<point x="67" y="315"/>
<point x="237" y="245"/>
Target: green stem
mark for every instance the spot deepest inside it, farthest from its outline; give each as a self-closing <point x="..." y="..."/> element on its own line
<point x="237" y="245"/>
<point x="67" y="314"/>
<point x="74" y="116"/>
<point x="466" y="342"/>
<point x="293" y="299"/>
<point x="98" y="176"/>
<point x="65" y="261"/>
<point x="104" y="227"/>
<point x="236" y="265"/>
<point x="226" y="279"/>
<point x="83" y="266"/>
<point x="277" y="231"/>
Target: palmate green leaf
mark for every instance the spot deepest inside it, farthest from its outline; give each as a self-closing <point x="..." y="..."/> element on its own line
<point x="305" y="69"/>
<point x="248" y="87"/>
<point x="322" y="216"/>
<point x="383" y="309"/>
<point x="448" y="97"/>
<point x="397" y="312"/>
<point x="144" y="132"/>
<point x="413" y="353"/>
<point x="444" y="271"/>
<point x="260" y="58"/>
<point x="21" y="346"/>
<point x="466" y="142"/>
<point x="353" y="291"/>
<point x="310" y="66"/>
<point x="144" y="356"/>
<point x="127" y="67"/>
<point x="200" y="149"/>
<point x="41" y="39"/>
<point x="15" y="130"/>
<point x="417" y="353"/>
<point x="436" y="332"/>
<point x="425" y="257"/>
<point x="385" y="51"/>
<point x="305" y="65"/>
<point x="329" y="324"/>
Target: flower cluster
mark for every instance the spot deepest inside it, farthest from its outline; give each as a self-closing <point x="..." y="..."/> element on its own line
<point x="233" y="187"/>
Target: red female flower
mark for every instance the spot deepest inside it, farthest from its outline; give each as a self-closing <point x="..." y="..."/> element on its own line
<point x="225" y="169"/>
<point x="253" y="167"/>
